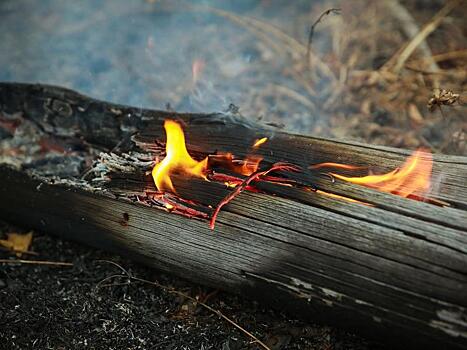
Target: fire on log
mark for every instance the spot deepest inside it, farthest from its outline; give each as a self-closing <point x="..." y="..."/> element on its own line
<point x="295" y="231"/>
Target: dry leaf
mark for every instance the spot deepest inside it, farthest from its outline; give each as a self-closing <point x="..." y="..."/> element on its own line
<point x="18" y="243"/>
<point x="443" y="97"/>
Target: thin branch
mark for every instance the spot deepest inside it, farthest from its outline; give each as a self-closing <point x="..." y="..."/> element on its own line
<point x="423" y="34"/>
<point x="255" y="176"/>
<point x="410" y="27"/>
<point x="108" y="278"/>
<point x="294" y="95"/>
<point x="35" y="262"/>
<point x="116" y="265"/>
<point x="451" y="55"/>
<point x="28" y="252"/>
<point x="336" y="11"/>
<point x="186" y="296"/>
<point x="207" y="307"/>
<point x="288" y="43"/>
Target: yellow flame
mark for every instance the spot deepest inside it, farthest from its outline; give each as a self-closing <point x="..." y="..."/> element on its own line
<point x="177" y="159"/>
<point x="335" y="165"/>
<point x="259" y="142"/>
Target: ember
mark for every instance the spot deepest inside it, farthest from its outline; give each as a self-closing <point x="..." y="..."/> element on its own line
<point x="245" y="166"/>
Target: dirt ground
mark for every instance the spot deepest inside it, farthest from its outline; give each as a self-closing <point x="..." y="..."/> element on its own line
<point x="79" y="307"/>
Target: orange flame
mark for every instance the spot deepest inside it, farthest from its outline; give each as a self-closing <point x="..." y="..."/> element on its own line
<point x="249" y="166"/>
<point x="177" y="159"/>
<point x="245" y="167"/>
<point x="412" y="178"/>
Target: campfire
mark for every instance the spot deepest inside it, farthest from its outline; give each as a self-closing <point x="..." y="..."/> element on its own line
<point x="313" y="206"/>
<point x="308" y="156"/>
<point x="411" y="180"/>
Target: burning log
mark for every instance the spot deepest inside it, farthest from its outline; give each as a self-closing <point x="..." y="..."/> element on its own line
<point x="301" y="236"/>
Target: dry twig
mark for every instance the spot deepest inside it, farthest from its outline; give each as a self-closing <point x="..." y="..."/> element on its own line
<point x="335" y="11"/>
<point x="186" y="296"/>
<point x="411" y="29"/>
<point x="431" y="26"/>
<point x="35" y="262"/>
<point x="253" y="177"/>
<point x="292" y="94"/>
<point x="291" y="44"/>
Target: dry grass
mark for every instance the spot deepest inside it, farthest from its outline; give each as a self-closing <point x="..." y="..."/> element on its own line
<point x="369" y="75"/>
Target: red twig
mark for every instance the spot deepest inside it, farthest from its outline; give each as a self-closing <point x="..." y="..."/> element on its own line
<point x="176" y="204"/>
<point x="253" y="177"/>
<point x="186" y="211"/>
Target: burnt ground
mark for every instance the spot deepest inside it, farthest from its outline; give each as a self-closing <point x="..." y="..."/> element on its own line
<point x="61" y="307"/>
<point x="121" y="50"/>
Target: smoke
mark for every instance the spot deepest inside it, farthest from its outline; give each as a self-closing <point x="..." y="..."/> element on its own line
<point x="159" y="54"/>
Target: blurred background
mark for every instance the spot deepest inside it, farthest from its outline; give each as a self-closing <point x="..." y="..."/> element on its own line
<point x="357" y="80"/>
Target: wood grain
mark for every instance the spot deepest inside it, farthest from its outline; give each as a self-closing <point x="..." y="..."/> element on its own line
<point x="395" y="270"/>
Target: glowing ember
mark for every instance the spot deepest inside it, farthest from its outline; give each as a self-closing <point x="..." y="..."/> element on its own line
<point x="413" y="178"/>
<point x="169" y="206"/>
<point x="248" y="166"/>
<point x="259" y="142"/>
<point x="245" y="166"/>
<point x="246" y="183"/>
<point x="177" y="159"/>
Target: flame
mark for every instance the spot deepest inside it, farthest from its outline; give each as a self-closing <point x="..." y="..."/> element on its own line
<point x="245" y="166"/>
<point x="177" y="159"/>
<point x="197" y="70"/>
<point x="169" y="206"/>
<point x="248" y="166"/>
<point x="413" y="178"/>
<point x="335" y="165"/>
<point x="259" y="142"/>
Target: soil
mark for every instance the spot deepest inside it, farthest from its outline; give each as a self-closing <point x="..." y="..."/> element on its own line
<point x="77" y="307"/>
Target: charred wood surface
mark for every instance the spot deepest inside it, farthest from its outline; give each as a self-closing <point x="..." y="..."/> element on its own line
<point x="395" y="269"/>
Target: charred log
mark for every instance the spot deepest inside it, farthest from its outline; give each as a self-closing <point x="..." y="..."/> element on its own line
<point x="391" y="268"/>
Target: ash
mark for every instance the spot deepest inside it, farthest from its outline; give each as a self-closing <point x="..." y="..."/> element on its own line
<point x="52" y="307"/>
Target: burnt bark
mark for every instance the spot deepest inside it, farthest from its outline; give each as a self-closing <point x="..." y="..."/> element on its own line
<point x="395" y="270"/>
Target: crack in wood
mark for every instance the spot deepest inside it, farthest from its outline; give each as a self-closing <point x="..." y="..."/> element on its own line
<point x="399" y="268"/>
